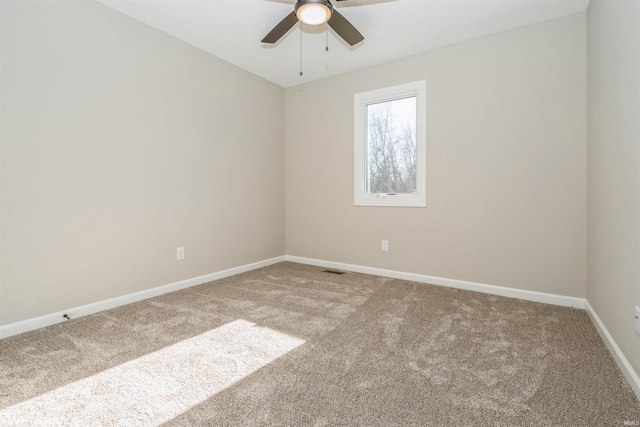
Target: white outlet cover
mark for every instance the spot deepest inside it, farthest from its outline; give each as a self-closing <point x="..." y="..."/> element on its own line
<point x="180" y="254"/>
<point x="385" y="245"/>
<point x="637" y="320"/>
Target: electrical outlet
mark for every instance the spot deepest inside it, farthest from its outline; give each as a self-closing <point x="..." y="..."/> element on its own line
<point x="180" y="254"/>
<point x="385" y="245"/>
<point x="637" y="319"/>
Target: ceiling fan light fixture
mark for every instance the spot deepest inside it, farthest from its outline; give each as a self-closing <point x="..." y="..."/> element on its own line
<point x="313" y="12"/>
<point x="323" y="13"/>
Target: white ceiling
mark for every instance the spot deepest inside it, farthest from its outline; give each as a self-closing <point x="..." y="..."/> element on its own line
<point x="232" y="29"/>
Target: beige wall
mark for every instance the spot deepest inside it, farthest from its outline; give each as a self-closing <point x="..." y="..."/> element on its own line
<point x="506" y="164"/>
<point x="119" y="144"/>
<point x="613" y="147"/>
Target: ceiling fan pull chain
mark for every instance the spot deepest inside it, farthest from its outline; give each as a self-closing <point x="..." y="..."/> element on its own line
<point x="326" y="38"/>
<point x="326" y="47"/>
<point x="300" y="53"/>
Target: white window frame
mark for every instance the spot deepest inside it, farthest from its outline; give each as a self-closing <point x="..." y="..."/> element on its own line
<point x="361" y="100"/>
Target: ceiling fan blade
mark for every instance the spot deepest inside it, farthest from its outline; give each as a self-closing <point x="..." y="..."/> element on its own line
<point x="281" y="29"/>
<point x="344" y="28"/>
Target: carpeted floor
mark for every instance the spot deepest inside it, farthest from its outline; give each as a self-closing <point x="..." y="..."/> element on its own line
<point x="291" y="345"/>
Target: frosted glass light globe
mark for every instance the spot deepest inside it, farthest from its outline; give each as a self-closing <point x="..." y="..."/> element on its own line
<point x="313" y="13"/>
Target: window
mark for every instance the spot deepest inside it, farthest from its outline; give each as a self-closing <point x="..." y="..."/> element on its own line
<point x="390" y="146"/>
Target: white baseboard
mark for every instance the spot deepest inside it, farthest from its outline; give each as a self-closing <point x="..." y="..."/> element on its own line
<point x="562" y="300"/>
<point x="53" y="318"/>
<point x="626" y="368"/>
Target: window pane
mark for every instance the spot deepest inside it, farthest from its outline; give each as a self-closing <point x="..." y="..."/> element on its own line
<point x="391" y="146"/>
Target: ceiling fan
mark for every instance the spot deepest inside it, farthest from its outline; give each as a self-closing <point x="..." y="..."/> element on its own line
<point x="316" y="12"/>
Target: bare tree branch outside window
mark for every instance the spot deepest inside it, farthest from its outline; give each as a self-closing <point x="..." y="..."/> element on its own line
<point x="391" y="146"/>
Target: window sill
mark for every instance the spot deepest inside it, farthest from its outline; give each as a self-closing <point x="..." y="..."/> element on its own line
<point x="412" y="201"/>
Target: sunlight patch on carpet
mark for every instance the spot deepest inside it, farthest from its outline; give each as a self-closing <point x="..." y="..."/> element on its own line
<point x="159" y="386"/>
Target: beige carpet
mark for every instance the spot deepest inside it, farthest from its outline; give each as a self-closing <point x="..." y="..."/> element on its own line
<point x="291" y="345"/>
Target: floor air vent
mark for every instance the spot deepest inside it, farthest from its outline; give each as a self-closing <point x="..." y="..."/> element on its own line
<point x="333" y="271"/>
